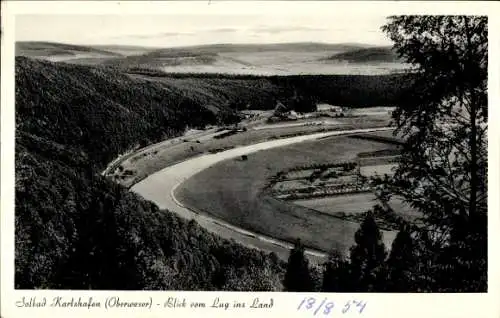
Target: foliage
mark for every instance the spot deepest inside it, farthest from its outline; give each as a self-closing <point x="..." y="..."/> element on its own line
<point x="443" y="167"/>
<point x="349" y="90"/>
<point x="401" y="262"/>
<point x="260" y="92"/>
<point x="302" y="103"/>
<point x="367" y="257"/>
<point x="336" y="275"/>
<point x="298" y="277"/>
<point x="75" y="230"/>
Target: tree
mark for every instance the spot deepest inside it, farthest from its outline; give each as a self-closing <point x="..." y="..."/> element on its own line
<point x="297" y="276"/>
<point x="304" y="104"/>
<point x="401" y="262"/>
<point x="367" y="256"/>
<point x="336" y="276"/>
<point x="443" y="168"/>
<point x="462" y="263"/>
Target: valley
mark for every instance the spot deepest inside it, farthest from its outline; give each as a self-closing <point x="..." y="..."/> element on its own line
<point x="226" y="195"/>
<point x="161" y="152"/>
<point x="80" y="112"/>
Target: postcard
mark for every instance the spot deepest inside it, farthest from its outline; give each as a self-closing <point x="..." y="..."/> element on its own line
<point x="253" y="158"/>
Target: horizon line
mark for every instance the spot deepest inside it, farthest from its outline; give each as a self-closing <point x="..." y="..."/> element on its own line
<point x="208" y="44"/>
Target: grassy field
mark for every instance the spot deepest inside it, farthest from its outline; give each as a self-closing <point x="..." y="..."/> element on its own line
<point x="388" y="135"/>
<point x="349" y="203"/>
<point x="307" y="122"/>
<point x="232" y="191"/>
<point x="380" y="170"/>
<point x="305" y="67"/>
<point x="290" y="185"/>
<point x="356" y="203"/>
<point x="161" y="157"/>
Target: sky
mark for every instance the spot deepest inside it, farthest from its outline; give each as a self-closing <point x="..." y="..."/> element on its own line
<point x="185" y="29"/>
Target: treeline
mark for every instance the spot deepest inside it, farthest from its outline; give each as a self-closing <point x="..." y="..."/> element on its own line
<point x="260" y="92"/>
<point x="351" y="90"/>
<point x="415" y="263"/>
<point x="372" y="54"/>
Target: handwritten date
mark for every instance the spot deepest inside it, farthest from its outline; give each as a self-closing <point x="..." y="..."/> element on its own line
<point x="325" y="306"/>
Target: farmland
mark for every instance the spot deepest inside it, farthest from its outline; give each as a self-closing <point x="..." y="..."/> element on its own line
<point x="343" y="190"/>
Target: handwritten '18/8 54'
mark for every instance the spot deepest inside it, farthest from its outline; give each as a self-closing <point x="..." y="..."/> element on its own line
<point x="325" y="307"/>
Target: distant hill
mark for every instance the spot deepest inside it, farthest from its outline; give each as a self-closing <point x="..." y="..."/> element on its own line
<point x="366" y="55"/>
<point x="34" y="48"/>
<point x="256" y="59"/>
<point x="52" y="49"/>
<point x="125" y="50"/>
<point x="269" y="59"/>
<point x="253" y="48"/>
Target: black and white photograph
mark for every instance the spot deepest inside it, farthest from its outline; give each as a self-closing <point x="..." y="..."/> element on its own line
<point x="251" y="152"/>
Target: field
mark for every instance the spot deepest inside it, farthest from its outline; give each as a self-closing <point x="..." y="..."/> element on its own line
<point x="349" y="203"/>
<point x="373" y="170"/>
<point x="232" y="191"/>
<point x="225" y="66"/>
<point x="355" y="204"/>
<point x="167" y="154"/>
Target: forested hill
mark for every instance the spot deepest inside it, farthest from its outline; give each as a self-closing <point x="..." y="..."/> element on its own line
<point x="76" y="230"/>
<point x="99" y="111"/>
<point x="363" y="55"/>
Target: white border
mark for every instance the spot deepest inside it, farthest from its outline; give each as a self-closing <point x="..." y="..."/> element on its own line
<point x="379" y="305"/>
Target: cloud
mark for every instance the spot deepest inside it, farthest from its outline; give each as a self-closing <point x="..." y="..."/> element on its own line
<point x="224" y="30"/>
<point x="160" y="35"/>
<point x="167" y="34"/>
<point x="283" y="29"/>
<point x="263" y="29"/>
<point x="152" y="36"/>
